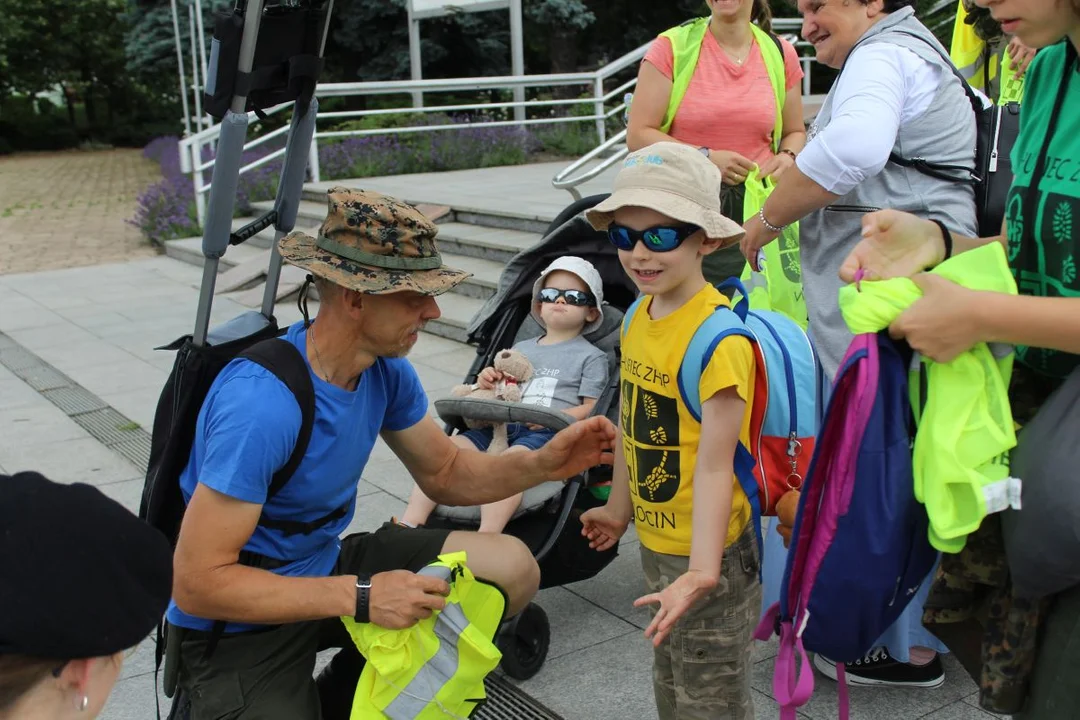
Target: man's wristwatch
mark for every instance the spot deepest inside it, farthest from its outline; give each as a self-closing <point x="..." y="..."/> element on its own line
<point x="704" y="150"/>
<point x="363" y="598"/>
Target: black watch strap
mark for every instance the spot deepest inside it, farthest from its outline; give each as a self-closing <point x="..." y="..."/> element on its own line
<point x="363" y="598"/>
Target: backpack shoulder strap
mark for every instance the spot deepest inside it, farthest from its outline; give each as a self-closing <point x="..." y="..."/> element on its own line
<point x="722" y="323"/>
<point x="283" y="359"/>
<point x="628" y="316"/>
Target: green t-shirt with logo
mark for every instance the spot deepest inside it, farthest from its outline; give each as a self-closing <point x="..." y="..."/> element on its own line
<point x="1046" y="261"/>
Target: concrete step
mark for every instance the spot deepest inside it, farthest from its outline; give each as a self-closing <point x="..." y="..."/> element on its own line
<point x="494" y="244"/>
<point x="190" y="251"/>
<point x="312" y="212"/>
<point x="457" y="312"/>
<point x="483" y="242"/>
<point x="523" y="222"/>
<point x="485" y="274"/>
<point x="309" y="215"/>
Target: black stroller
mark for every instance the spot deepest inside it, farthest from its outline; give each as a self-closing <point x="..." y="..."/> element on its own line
<point x="548" y="520"/>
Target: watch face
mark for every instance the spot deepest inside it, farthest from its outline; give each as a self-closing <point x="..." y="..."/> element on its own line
<point x="704" y="151"/>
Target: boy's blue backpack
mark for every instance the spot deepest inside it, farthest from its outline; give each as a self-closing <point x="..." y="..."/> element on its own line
<point x="859" y="549"/>
<point x="784" y="412"/>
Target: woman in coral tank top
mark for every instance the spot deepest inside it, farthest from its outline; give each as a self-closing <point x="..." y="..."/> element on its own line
<point x="728" y="111"/>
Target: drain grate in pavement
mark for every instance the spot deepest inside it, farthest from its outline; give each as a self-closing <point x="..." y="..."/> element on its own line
<point x="507" y="702"/>
<point x="105" y="424"/>
<point x="74" y="400"/>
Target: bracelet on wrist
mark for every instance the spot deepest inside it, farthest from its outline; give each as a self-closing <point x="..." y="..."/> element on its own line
<point x="946" y="238"/>
<point x="788" y="151"/>
<point x="768" y="225"/>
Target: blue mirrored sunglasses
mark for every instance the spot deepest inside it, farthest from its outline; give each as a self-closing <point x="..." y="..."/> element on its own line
<point x="573" y="297"/>
<point x="658" y="239"/>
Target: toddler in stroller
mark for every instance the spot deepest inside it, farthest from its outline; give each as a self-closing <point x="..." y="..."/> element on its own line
<point x="547" y="519"/>
<point x="569" y="374"/>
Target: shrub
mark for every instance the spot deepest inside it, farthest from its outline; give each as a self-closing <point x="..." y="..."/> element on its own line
<point x="166" y="209"/>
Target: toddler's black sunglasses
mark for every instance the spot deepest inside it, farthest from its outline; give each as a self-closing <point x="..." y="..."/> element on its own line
<point x="573" y="297"/>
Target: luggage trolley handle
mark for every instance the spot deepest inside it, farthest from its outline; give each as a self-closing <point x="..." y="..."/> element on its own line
<point x="217" y="232"/>
<point x="226" y="175"/>
<point x="293" y="172"/>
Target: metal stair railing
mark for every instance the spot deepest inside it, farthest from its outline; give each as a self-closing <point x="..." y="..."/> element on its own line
<point x="611" y="149"/>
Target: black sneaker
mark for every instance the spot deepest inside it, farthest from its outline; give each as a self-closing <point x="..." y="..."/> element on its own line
<point x="879" y="668"/>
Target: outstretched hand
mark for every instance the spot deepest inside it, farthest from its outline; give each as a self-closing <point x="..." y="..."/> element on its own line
<point x="574" y="449"/>
<point x="894" y="244"/>
<point x="675" y="600"/>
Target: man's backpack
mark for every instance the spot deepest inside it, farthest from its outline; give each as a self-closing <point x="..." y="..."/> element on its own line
<point x="287" y="62"/>
<point x="178" y="408"/>
<point x="784" y="412"/>
<point x="859" y="549"/>
<point x="997" y="127"/>
<point x="177" y="413"/>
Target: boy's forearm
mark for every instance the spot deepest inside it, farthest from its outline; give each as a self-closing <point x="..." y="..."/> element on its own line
<point x="711" y="514"/>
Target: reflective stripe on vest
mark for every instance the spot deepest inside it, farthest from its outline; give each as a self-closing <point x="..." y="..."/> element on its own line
<point x="686" y="42"/>
<point x="433" y="676"/>
<point x="969" y="53"/>
<point x="436" y="668"/>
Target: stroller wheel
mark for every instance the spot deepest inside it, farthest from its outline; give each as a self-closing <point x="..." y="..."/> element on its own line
<point x="524" y="643"/>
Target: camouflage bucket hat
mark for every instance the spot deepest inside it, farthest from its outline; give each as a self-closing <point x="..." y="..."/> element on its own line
<point x="374" y="244"/>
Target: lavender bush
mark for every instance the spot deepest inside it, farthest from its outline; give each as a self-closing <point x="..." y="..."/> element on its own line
<point x="433" y="151"/>
<point x="166" y="210"/>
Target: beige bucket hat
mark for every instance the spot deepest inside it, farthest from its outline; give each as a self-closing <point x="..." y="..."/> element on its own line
<point x="674" y="179"/>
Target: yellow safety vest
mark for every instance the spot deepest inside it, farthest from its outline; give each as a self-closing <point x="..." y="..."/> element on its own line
<point x="686" y="42"/>
<point x="968" y="53"/>
<point x="965" y="430"/>
<point x="436" y="668"/>
<point x="779" y="286"/>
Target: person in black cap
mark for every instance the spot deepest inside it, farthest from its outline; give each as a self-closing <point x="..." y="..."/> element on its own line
<point x="81" y="580"/>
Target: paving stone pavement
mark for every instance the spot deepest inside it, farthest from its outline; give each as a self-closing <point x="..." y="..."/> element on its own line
<point x="68" y="209"/>
<point x="99" y="325"/>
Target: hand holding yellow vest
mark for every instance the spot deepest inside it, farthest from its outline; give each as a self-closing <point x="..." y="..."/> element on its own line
<point x="965" y="427"/>
<point x="778" y="285"/>
<point x="436" y="668"/>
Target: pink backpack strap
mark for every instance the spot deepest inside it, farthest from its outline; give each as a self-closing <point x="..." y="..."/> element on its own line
<point x="841" y="692"/>
<point x="792" y="686"/>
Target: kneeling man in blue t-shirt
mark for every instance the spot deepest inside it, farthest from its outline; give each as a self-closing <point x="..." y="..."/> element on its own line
<point x="377" y="270"/>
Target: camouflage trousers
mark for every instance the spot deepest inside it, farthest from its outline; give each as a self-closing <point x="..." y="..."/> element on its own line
<point x="702" y="669"/>
<point x="972" y="609"/>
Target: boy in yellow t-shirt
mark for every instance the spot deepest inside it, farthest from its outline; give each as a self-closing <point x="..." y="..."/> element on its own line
<point x="675" y="476"/>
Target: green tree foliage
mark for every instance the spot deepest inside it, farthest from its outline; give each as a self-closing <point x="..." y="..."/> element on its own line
<point x="78" y="50"/>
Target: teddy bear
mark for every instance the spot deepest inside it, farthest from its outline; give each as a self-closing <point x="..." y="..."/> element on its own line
<point x="517" y="371"/>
